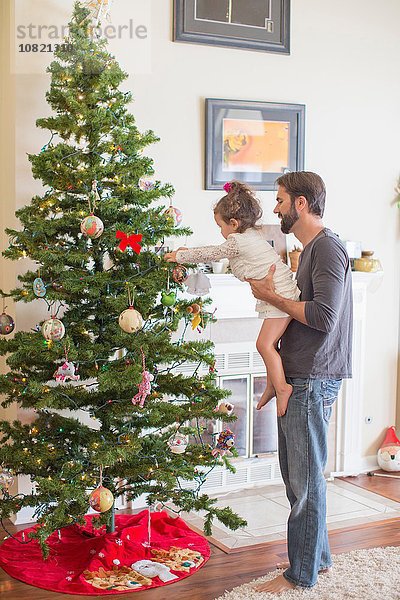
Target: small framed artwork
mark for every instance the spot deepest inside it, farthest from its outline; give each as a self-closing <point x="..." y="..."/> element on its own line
<point x="251" y="24"/>
<point x="254" y="142"/>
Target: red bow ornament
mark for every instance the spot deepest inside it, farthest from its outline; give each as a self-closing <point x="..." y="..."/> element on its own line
<point x="129" y="240"/>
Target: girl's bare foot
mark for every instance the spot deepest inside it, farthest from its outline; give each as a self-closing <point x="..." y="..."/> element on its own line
<point x="286" y="565"/>
<point x="282" y="399"/>
<point x="268" y="394"/>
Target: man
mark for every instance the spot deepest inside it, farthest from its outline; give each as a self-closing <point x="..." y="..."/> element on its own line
<point x="316" y="355"/>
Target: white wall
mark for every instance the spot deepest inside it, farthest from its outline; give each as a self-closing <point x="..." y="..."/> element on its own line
<point x="7" y="169"/>
<point x="344" y="67"/>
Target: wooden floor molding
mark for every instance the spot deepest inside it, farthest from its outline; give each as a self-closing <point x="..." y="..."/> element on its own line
<point x="226" y="571"/>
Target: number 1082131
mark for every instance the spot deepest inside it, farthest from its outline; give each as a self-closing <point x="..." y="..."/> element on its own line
<point x="45" y="47"/>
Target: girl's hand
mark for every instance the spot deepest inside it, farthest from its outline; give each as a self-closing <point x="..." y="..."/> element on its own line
<point x="170" y="256"/>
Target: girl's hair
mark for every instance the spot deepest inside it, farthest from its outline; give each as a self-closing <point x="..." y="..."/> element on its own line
<point x="239" y="203"/>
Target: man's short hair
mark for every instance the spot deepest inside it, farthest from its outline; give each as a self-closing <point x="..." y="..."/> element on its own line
<point x="307" y="184"/>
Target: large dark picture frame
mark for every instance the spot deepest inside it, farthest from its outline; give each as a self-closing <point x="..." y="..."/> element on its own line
<point x="254" y="142"/>
<point x="251" y="24"/>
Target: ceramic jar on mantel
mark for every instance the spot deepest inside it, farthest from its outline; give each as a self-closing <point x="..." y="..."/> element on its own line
<point x="294" y="256"/>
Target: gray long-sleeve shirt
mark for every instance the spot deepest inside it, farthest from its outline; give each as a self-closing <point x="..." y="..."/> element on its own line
<point x="322" y="349"/>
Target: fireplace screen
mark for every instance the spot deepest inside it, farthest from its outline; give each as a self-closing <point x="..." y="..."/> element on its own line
<point x="255" y="431"/>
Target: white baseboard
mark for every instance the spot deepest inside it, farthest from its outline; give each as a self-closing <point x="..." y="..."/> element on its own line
<point x="366" y="464"/>
<point x="369" y="463"/>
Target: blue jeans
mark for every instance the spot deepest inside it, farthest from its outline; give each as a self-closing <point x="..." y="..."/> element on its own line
<point x="302" y="435"/>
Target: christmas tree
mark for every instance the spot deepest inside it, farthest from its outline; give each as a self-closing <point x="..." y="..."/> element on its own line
<point x="105" y="347"/>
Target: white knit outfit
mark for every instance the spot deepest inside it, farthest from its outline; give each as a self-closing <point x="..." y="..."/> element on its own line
<point x="250" y="256"/>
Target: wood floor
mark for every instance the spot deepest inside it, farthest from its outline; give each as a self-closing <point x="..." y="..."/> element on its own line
<point x="385" y="486"/>
<point x="224" y="572"/>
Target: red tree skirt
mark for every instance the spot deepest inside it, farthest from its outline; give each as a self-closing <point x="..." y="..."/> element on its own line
<point x="93" y="563"/>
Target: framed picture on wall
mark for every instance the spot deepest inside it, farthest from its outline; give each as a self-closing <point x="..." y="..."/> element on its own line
<point x="251" y="24"/>
<point x="254" y="142"/>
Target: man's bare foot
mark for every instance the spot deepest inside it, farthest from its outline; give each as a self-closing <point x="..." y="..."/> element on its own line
<point x="276" y="586"/>
<point x="286" y="565"/>
<point x="268" y="394"/>
<point x="282" y="399"/>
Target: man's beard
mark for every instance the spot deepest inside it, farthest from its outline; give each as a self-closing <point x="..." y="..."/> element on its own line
<point x="287" y="221"/>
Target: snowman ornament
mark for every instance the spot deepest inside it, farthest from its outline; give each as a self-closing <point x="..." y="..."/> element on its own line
<point x="389" y="452"/>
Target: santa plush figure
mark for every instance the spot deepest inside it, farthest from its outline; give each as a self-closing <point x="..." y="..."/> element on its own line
<point x="389" y="452"/>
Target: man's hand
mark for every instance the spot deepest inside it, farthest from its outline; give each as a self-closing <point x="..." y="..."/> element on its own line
<point x="171" y="256"/>
<point x="264" y="289"/>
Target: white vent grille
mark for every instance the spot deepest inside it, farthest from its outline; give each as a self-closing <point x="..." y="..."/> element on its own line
<point x="277" y="471"/>
<point x="258" y="362"/>
<point x="214" y="480"/>
<point x="249" y="473"/>
<point x="188" y="367"/>
<point x="262" y="472"/>
<point x="239" y="360"/>
<point x="239" y="478"/>
<point x="228" y="361"/>
<point x="188" y="485"/>
<point x="220" y="362"/>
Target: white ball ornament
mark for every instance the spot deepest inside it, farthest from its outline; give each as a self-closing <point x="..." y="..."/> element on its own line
<point x="130" y="320"/>
<point x="92" y="226"/>
<point x="177" y="443"/>
<point x="146" y="184"/>
<point x="174" y="215"/>
<point x="53" y="329"/>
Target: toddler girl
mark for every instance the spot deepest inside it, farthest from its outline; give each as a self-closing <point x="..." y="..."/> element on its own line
<point x="251" y="256"/>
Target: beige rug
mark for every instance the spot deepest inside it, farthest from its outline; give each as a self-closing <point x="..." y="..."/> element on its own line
<point x="358" y="575"/>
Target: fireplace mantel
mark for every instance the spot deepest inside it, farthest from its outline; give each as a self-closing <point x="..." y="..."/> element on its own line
<point x="233" y="299"/>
